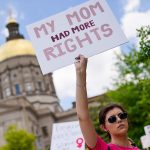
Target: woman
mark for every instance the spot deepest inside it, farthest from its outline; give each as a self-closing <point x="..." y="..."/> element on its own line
<point x="113" y="118"/>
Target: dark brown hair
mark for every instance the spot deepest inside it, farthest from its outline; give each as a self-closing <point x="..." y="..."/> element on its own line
<point x="104" y="110"/>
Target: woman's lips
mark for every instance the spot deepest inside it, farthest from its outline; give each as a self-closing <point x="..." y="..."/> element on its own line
<point x="121" y="126"/>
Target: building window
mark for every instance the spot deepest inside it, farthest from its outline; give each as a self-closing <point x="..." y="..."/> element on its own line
<point x="14" y="75"/>
<point x="7" y="92"/>
<point x="28" y="87"/>
<point x="45" y="131"/>
<point x="32" y="129"/>
<point x="17" y="88"/>
<point x="40" y="85"/>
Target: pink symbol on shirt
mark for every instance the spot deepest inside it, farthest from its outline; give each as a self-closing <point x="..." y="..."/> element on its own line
<point x="79" y="142"/>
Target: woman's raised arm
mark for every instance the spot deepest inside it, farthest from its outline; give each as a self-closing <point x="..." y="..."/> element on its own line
<point x="86" y="125"/>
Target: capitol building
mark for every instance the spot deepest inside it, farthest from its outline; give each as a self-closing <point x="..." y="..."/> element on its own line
<point x="27" y="98"/>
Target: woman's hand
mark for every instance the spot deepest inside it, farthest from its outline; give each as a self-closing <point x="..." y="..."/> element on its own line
<point x="81" y="64"/>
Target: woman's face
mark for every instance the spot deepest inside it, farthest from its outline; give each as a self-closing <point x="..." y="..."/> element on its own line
<point x="118" y="126"/>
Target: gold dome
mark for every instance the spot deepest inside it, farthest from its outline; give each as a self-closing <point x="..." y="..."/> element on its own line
<point x="17" y="47"/>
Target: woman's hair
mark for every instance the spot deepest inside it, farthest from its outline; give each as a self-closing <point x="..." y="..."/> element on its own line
<point x="104" y="110"/>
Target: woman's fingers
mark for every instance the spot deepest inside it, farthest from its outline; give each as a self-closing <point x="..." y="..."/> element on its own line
<point x="81" y="59"/>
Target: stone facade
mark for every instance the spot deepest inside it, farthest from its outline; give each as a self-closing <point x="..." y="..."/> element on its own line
<point x="27" y="98"/>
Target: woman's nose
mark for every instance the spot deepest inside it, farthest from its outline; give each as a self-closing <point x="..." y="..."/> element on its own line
<point x="118" y="119"/>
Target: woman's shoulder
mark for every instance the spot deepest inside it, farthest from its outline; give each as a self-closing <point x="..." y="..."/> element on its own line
<point x="100" y="144"/>
<point x="114" y="147"/>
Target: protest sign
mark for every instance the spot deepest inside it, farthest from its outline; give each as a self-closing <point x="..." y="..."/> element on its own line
<point x="145" y="140"/>
<point x="67" y="136"/>
<point x="87" y="29"/>
<point x="147" y="129"/>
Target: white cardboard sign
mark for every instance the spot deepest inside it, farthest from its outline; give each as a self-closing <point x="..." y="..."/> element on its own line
<point x="67" y="136"/>
<point x="87" y="29"/>
<point x="147" y="130"/>
<point x="145" y="140"/>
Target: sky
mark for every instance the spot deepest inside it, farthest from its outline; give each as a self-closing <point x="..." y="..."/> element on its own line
<point x="101" y="71"/>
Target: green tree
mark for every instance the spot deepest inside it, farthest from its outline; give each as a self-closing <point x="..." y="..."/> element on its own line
<point x="94" y="113"/>
<point x="18" y="139"/>
<point x="133" y="85"/>
<point x="144" y="35"/>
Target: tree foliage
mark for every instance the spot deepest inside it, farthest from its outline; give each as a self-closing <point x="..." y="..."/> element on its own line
<point x="144" y="35"/>
<point x="133" y="85"/>
<point x="18" y="139"/>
